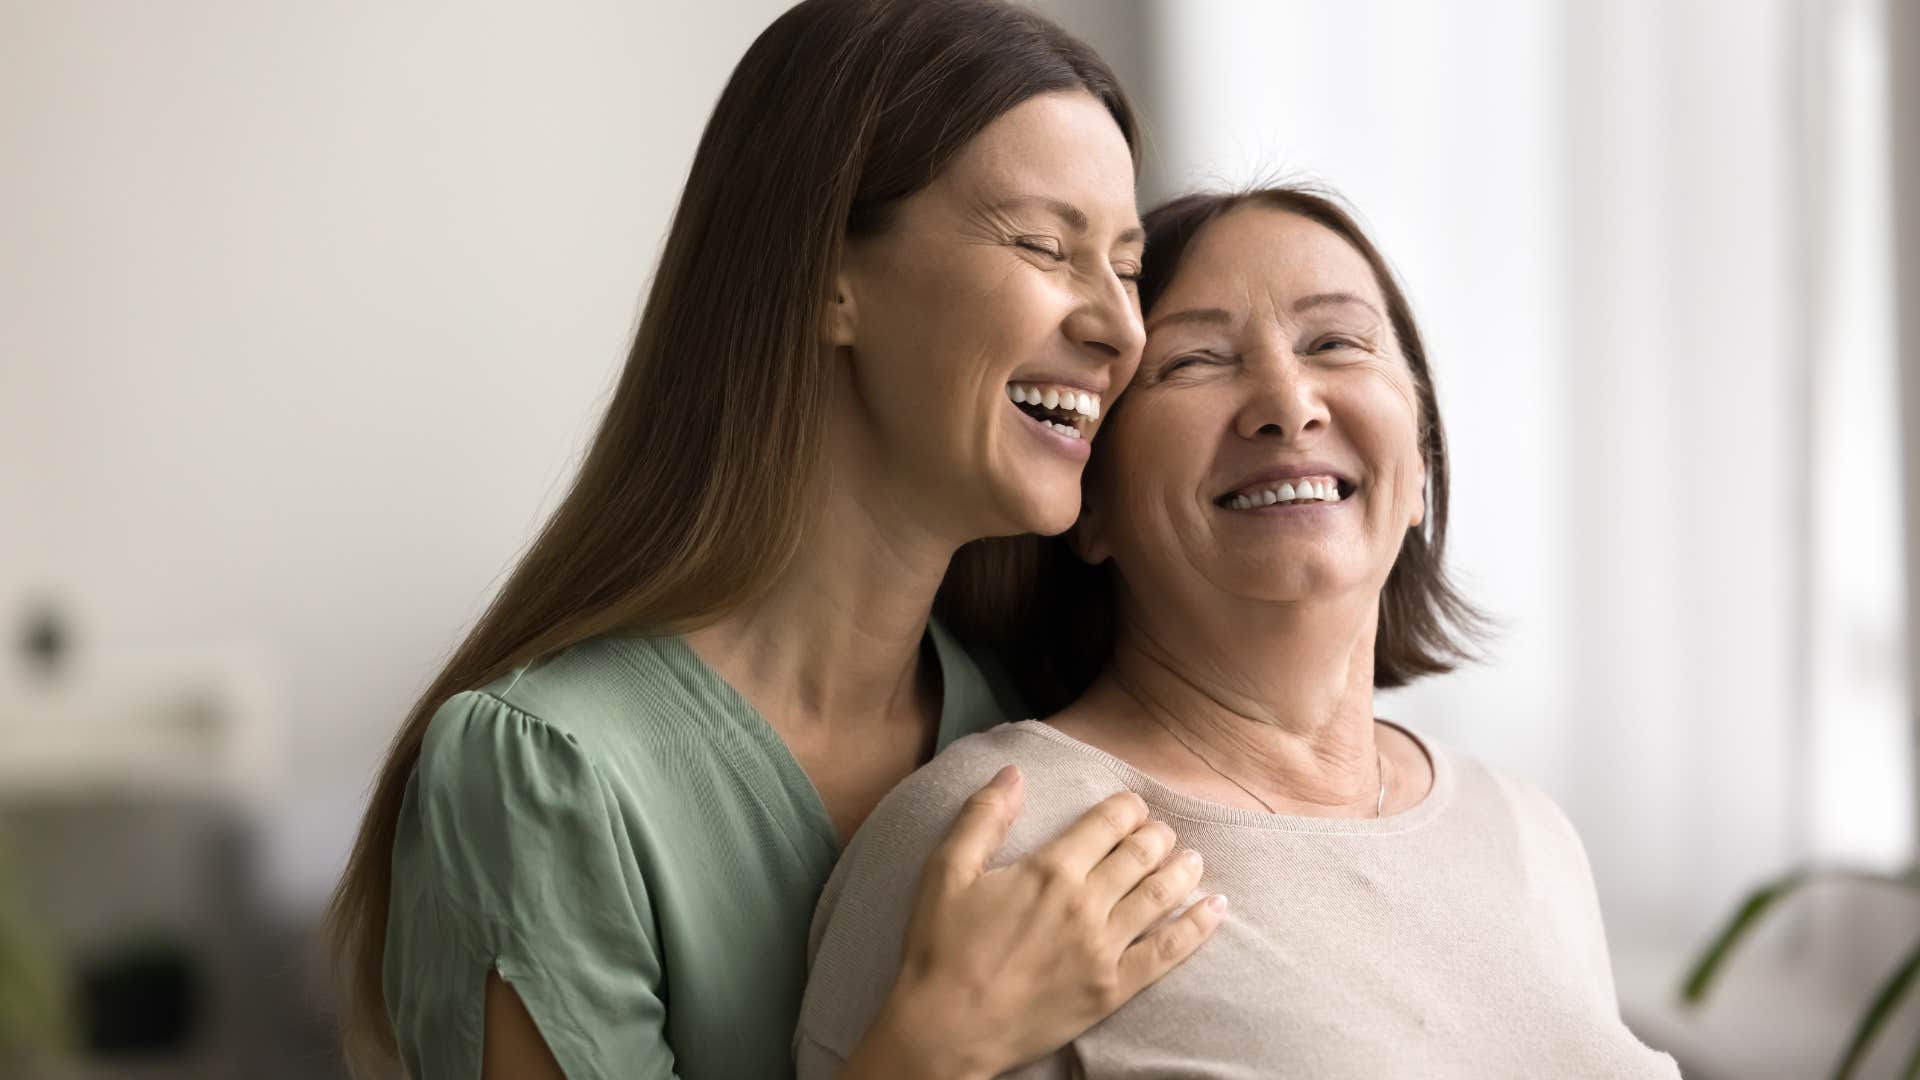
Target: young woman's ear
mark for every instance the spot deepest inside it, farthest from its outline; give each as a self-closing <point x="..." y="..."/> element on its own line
<point x="840" y="312"/>
<point x="1420" y="503"/>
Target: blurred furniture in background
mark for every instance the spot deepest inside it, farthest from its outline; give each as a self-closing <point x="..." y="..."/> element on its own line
<point x="129" y="808"/>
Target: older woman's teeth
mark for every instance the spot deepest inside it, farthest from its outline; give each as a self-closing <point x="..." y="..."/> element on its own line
<point x="1299" y="491"/>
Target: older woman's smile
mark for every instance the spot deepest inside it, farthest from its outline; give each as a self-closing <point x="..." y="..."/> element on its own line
<point x="1305" y="486"/>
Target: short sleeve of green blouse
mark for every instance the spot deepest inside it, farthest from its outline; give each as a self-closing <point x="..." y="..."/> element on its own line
<point x="634" y="848"/>
<point x="511" y="856"/>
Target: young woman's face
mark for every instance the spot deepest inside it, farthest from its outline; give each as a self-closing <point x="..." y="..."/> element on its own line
<point x="986" y="329"/>
<point x="1270" y="446"/>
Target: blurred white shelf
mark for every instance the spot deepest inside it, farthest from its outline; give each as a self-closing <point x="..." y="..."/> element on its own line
<point x="197" y="725"/>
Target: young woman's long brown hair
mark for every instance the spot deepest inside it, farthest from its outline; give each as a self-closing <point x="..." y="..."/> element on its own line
<point x="696" y="487"/>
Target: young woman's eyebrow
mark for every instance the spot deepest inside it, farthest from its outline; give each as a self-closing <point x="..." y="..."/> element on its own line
<point x="1074" y="217"/>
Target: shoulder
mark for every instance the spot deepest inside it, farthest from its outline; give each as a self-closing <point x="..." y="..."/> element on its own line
<point x="1517" y="821"/>
<point x="494" y="788"/>
<point x="966" y="764"/>
<point x="877" y="874"/>
<point x="481" y="755"/>
<point x="499" y="802"/>
<point x="638" y="711"/>
<point x="620" y="683"/>
<point x="501" y="807"/>
<point x="1060" y="781"/>
<point x="554" y="748"/>
<point x="1528" y="804"/>
<point x="860" y="922"/>
<point x="858" y="927"/>
<point x="1501" y="803"/>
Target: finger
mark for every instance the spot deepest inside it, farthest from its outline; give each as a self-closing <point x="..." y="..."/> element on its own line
<point x="1140" y="853"/>
<point x="979" y="829"/>
<point x="1159" y="952"/>
<point x="1078" y="849"/>
<point x="1159" y="893"/>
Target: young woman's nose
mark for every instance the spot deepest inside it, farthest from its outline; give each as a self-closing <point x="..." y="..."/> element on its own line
<point x="1107" y="319"/>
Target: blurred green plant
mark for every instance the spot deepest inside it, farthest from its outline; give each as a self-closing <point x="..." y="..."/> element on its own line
<point x="1886" y="998"/>
<point x="33" y="1013"/>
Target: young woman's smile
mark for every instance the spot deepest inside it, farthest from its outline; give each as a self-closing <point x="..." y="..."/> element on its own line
<point x="1061" y="415"/>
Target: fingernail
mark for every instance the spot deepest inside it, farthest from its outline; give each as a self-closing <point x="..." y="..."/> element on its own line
<point x="1217" y="903"/>
<point x="1190" y="857"/>
<point x="1005" y="777"/>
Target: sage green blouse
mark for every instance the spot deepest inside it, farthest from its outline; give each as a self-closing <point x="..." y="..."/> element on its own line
<point x="634" y="849"/>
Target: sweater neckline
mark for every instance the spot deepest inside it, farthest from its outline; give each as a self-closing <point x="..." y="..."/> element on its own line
<point x="1178" y="804"/>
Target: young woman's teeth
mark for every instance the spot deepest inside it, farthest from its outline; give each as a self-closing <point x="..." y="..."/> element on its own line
<point x="1299" y="492"/>
<point x="1060" y="408"/>
<point x="1056" y="398"/>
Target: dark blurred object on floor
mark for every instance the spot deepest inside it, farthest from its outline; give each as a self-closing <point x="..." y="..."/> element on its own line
<point x="131" y="798"/>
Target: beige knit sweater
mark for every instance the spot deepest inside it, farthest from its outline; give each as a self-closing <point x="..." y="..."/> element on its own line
<point x="1458" y="938"/>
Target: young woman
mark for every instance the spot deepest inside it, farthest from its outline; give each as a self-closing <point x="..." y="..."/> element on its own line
<point x="895" y="300"/>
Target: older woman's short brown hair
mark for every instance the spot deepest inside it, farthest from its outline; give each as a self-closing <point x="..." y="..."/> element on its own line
<point x="1049" y="617"/>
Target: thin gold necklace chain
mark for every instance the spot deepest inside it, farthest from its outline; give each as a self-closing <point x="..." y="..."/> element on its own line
<point x="1379" y="805"/>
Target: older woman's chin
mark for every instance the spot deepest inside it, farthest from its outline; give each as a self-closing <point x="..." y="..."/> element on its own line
<point x="1294" y="582"/>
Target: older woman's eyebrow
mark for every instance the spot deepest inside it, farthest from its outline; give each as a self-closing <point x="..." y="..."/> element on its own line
<point x="1075" y="217"/>
<point x="1212" y="316"/>
<point x="1314" y="300"/>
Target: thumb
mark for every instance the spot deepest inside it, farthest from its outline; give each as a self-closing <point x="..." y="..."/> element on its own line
<point x="981" y="827"/>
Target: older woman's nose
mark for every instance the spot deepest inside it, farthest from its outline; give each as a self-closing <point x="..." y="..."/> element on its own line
<point x="1107" y="319"/>
<point x="1284" y="402"/>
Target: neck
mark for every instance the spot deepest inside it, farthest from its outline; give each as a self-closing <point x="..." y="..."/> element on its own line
<point x="1279" y="698"/>
<point x="837" y="634"/>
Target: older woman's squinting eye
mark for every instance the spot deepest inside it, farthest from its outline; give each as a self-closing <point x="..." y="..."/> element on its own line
<point x="1189" y="360"/>
<point x="1328" y="344"/>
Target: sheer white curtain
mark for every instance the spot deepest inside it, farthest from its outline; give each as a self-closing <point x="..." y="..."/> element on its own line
<point x="1903" y="21"/>
<point x="1647" y="243"/>
<point x="1859" y="694"/>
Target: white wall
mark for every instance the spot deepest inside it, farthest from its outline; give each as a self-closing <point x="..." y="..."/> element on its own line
<point x="305" y="311"/>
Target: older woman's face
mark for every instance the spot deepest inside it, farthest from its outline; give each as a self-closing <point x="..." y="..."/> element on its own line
<point x="1269" y="446"/>
<point x="988" y="326"/>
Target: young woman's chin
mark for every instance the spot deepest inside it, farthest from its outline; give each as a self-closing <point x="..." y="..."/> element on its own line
<point x="1005" y="495"/>
<point x="1044" y="505"/>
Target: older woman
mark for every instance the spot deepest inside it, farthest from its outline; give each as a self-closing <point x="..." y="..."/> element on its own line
<point x="1267" y="511"/>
